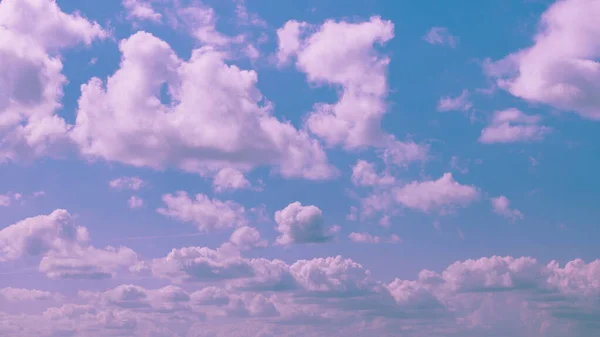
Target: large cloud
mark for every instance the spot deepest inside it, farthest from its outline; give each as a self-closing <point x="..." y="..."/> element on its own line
<point x="488" y="296"/>
<point x="345" y="55"/>
<point x="561" y="68"/>
<point x="216" y="117"/>
<point x="63" y="248"/>
<point x="32" y="33"/>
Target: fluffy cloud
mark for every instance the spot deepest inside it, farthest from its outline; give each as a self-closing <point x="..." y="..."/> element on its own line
<point x="364" y="174"/>
<point x="63" y="248"/>
<point x="300" y="224"/>
<point x="511" y="125"/>
<point x="441" y="194"/>
<point x="561" y="68"/>
<point x="207" y="214"/>
<point x="459" y="103"/>
<point x="32" y="33"/>
<point x="41" y="234"/>
<point x="141" y="10"/>
<point x="345" y="55"/>
<point x="247" y="237"/>
<point x="202" y="264"/>
<point x="229" y="179"/>
<point x="501" y="205"/>
<point x="218" y="118"/>
<point x="485" y="296"/>
<point x="440" y="36"/>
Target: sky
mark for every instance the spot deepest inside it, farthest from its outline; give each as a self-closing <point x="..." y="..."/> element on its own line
<point x="241" y="168"/>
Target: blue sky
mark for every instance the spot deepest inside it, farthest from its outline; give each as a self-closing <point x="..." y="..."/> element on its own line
<point x="331" y="149"/>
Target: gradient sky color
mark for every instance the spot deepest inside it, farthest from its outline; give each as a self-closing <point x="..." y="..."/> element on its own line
<point x="299" y="168"/>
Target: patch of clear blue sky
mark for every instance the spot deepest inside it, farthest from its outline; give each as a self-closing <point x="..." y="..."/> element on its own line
<point x="562" y="190"/>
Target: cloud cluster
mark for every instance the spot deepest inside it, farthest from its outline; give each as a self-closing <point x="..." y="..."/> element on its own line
<point x="32" y="35"/>
<point x="217" y="118"/>
<point x="468" y="298"/>
<point x="63" y="248"/>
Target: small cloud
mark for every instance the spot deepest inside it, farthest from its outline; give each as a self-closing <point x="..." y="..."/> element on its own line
<point x="501" y="205"/>
<point x="457" y="165"/>
<point x="511" y="126"/>
<point x="127" y="183"/>
<point x="458" y="103"/>
<point x="301" y="224"/>
<point x="440" y="36"/>
<point x="141" y="10"/>
<point x="368" y="238"/>
<point x="135" y="202"/>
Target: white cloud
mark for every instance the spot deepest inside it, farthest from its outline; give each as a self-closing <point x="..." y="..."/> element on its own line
<point x="442" y="194"/>
<point x="458" y="103"/>
<point x="511" y="125"/>
<point x="125" y="121"/>
<point x="440" y="36"/>
<point x="207" y="214"/>
<point x="492" y="295"/>
<point x="364" y="174"/>
<point x="229" y="179"/>
<point x="63" y="248"/>
<point x="247" y="237"/>
<point x="141" y="10"/>
<point x="128" y="183"/>
<point x="345" y="55"/>
<point x="32" y="32"/>
<point x="19" y="294"/>
<point x="364" y="238"/>
<point x="501" y="205"/>
<point x="561" y="68"/>
<point x="38" y="235"/>
<point x="202" y="23"/>
<point x="300" y="224"/>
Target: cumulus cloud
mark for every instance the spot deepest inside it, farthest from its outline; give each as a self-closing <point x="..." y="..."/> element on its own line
<point x="458" y="103"/>
<point x="63" y="248"/>
<point x="247" y="237"/>
<point x="32" y="33"/>
<point x="488" y="295"/>
<point x="197" y="132"/>
<point x="364" y="174"/>
<point x="501" y="205"/>
<point x="207" y="214"/>
<point x="229" y="179"/>
<point x="441" y="194"/>
<point x="141" y="10"/>
<point x="346" y="55"/>
<point x="440" y="36"/>
<point x="300" y="224"/>
<point x="561" y="68"/>
<point x="512" y="125"/>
